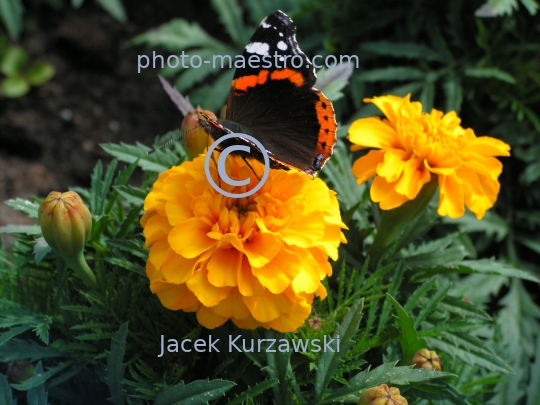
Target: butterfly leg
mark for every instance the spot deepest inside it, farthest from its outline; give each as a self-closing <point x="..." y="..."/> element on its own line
<point x="214" y="160"/>
<point x="252" y="169"/>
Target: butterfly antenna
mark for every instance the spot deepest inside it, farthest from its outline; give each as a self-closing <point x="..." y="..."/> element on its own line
<point x="163" y="145"/>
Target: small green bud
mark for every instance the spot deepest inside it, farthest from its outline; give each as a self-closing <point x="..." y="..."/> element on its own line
<point x="194" y="138"/>
<point x="20" y="370"/>
<point x="425" y="358"/>
<point x="382" y="395"/>
<point x="66" y="224"/>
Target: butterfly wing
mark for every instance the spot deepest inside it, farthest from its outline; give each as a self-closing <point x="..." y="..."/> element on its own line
<point x="276" y="102"/>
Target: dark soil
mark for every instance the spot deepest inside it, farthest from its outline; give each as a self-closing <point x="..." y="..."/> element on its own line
<point x="49" y="139"/>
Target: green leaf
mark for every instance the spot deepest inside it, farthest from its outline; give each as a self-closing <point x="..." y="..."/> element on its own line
<point x="31" y="230"/>
<point x="14" y="86"/>
<point x="115" y="367"/>
<point x="462" y="308"/>
<point x="198" y="392"/>
<point x="391" y="73"/>
<point x="213" y="96"/>
<point x="13" y="60"/>
<point x="408" y="50"/>
<point x="76" y="3"/>
<point x="131" y="194"/>
<point x="492" y="224"/>
<point x="230" y="15"/>
<point x="427" y="96"/>
<point x="445" y="257"/>
<point x="39" y="379"/>
<point x="384" y="374"/>
<point x="11" y="333"/>
<point x="30" y="208"/>
<point x="114" y="8"/>
<point x="484" y="266"/>
<point x="37" y="395"/>
<point x="432" y="302"/>
<point x="11" y="13"/>
<point x="253" y="392"/>
<point x="41" y="249"/>
<point x="6" y="394"/>
<point x="17" y="349"/>
<point x="329" y="361"/>
<point x="40" y="73"/>
<point x="533" y="389"/>
<point x="470" y="350"/>
<point x="157" y="161"/>
<point x="178" y="35"/>
<point x="332" y="80"/>
<point x="277" y="364"/>
<point x="490" y="73"/>
<point x="453" y="92"/>
<point x="409" y="340"/>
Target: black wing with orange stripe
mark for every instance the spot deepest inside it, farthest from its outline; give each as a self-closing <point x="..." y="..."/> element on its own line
<point x="277" y="104"/>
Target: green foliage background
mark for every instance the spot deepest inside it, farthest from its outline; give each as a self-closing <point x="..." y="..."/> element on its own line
<point x="90" y="346"/>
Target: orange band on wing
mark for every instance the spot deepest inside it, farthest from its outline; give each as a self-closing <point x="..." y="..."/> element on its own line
<point x="244" y="82"/>
<point x="327" y="121"/>
<point x="295" y="77"/>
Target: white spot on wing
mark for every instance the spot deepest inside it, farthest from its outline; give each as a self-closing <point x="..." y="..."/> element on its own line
<point x="281" y="34"/>
<point x="265" y="24"/>
<point x="282" y="45"/>
<point x="260" y="48"/>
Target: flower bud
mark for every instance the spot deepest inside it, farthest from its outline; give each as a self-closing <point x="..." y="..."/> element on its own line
<point x="425" y="358"/>
<point x="194" y="139"/>
<point x="20" y="370"/>
<point x="382" y="395"/>
<point x="66" y="224"/>
<point x="315" y="323"/>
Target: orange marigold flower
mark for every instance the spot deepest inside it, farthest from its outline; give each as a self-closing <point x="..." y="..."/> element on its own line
<point x="411" y="146"/>
<point x="258" y="261"/>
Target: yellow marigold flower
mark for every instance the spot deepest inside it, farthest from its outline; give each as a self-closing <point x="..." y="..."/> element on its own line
<point x="258" y="261"/>
<point x="411" y="146"/>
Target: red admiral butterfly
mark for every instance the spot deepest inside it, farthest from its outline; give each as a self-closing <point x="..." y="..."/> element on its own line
<point x="277" y="103"/>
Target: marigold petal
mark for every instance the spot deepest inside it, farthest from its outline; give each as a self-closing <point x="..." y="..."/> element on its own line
<point x="178" y="211"/>
<point x="385" y="193"/>
<point x="232" y="307"/>
<point x="373" y="133"/>
<point x="278" y="274"/>
<point x="294" y="318"/>
<point x="177" y="269"/>
<point x="266" y="307"/>
<point x="304" y="230"/>
<point x="208" y="294"/>
<point x="414" y="177"/>
<point x="487" y="146"/>
<point x="248" y="284"/>
<point x="389" y="106"/>
<point x="248" y="323"/>
<point x="365" y="168"/>
<point x="156" y="227"/>
<point x="489" y="166"/>
<point x="223" y="267"/>
<point x="189" y="239"/>
<point x="173" y="296"/>
<point x="262" y="248"/>
<point x="451" y="198"/>
<point x="158" y="253"/>
<point x="307" y="279"/>
<point x="210" y="320"/>
<point x="476" y="198"/>
<point x="393" y="165"/>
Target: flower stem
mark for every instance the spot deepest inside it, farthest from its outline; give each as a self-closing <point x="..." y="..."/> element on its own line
<point x="82" y="270"/>
<point x="393" y="222"/>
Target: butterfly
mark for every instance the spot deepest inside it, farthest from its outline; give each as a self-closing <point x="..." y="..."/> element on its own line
<point x="275" y="102"/>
